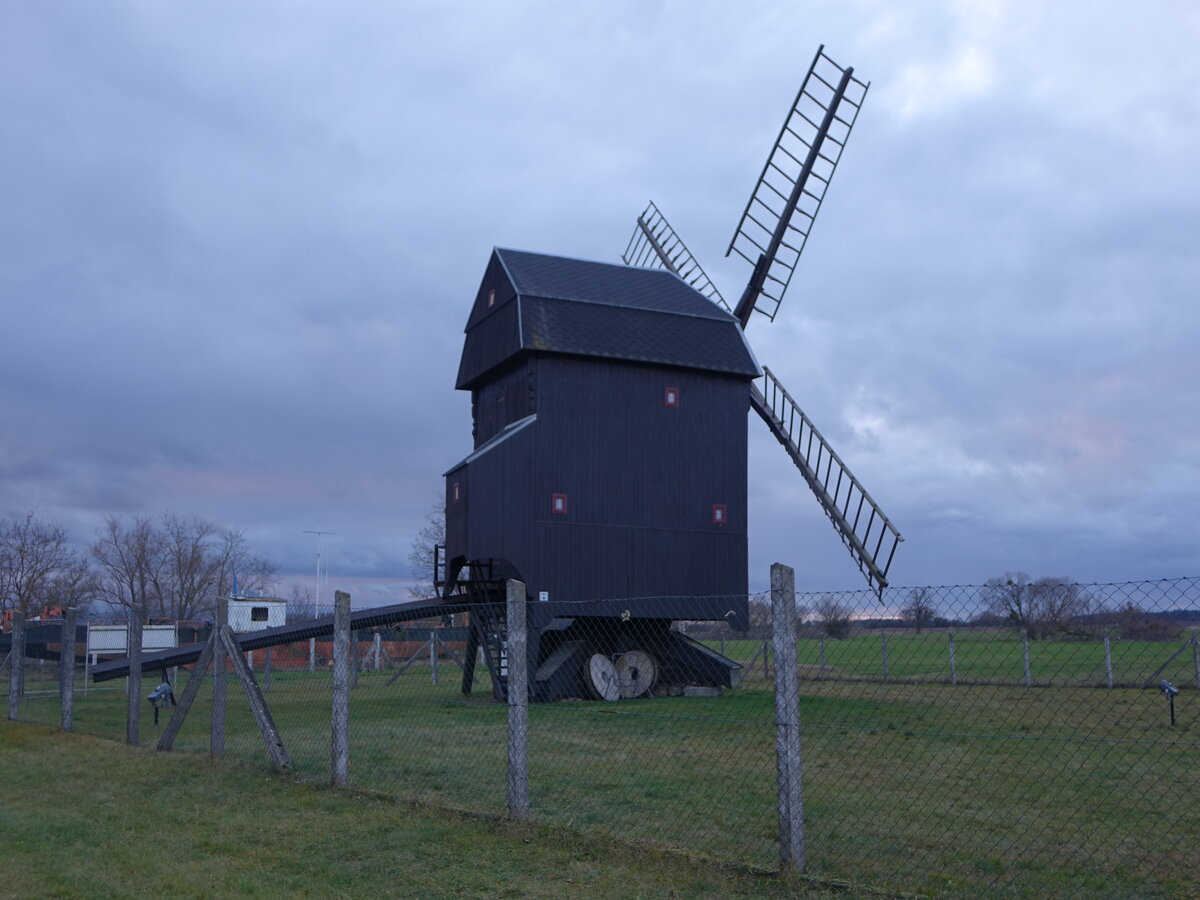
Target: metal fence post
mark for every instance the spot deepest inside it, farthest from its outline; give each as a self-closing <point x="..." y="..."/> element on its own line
<point x="216" y="741"/>
<point x="788" y="761"/>
<point x="518" y="703"/>
<point x="66" y="667"/>
<point x="1108" y="669"/>
<point x="953" y="659"/>
<point x="16" y="665"/>
<point x="1196" y="657"/>
<point x="133" y="699"/>
<point x="1025" y="655"/>
<point x="341" y="689"/>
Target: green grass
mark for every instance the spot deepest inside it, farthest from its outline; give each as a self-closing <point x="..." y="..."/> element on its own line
<point x="974" y="790"/>
<point x="84" y="818"/>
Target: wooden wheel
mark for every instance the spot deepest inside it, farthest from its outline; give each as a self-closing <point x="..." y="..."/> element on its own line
<point x="636" y="673"/>
<point x="600" y="677"/>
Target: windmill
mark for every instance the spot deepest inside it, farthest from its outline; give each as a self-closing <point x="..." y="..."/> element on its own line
<point x="770" y="236"/>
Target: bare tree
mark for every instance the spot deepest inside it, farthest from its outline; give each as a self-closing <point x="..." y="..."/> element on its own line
<point x="421" y="555"/>
<point x="1039" y="608"/>
<point x="833" y="615"/>
<point x="302" y="606"/>
<point x="38" y="566"/>
<point x="129" y="560"/>
<point x="921" y="608"/>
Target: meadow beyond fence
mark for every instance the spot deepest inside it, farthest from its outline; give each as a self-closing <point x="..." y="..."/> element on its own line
<point x="948" y="745"/>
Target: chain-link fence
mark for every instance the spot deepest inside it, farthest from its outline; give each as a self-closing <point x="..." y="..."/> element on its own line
<point x="1010" y="739"/>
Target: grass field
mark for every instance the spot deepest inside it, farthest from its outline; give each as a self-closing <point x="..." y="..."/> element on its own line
<point x="974" y="790"/>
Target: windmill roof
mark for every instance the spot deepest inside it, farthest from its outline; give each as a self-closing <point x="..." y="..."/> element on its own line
<point x="532" y="302"/>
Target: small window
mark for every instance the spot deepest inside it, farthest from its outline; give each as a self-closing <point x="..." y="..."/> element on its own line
<point x="491" y="298"/>
<point x="719" y="514"/>
<point x="671" y="397"/>
<point x="258" y="614"/>
<point x="558" y="504"/>
<point x="454" y="492"/>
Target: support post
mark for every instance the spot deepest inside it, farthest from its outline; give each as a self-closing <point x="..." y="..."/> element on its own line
<point x="378" y="652"/>
<point x="166" y="740"/>
<point x="1025" y="656"/>
<point x="312" y="654"/>
<point x="1108" y="669"/>
<point x="953" y="659"/>
<point x="340" y="737"/>
<point x="133" y="698"/>
<point x="518" y="703"/>
<point x="16" y="665"/>
<point x="788" y="760"/>
<point x="258" y="705"/>
<point x="216" y="742"/>
<point x="1196" y="658"/>
<point x="266" y="685"/>
<point x="66" y="667"/>
<point x="883" y="651"/>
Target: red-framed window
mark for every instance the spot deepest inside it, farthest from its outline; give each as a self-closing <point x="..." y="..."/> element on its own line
<point x="455" y="493"/>
<point x="671" y="397"/>
<point x="558" y="504"/>
<point x="491" y="298"/>
<point x="720" y="514"/>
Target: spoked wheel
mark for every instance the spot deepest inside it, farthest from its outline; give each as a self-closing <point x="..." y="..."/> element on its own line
<point x="636" y="673"/>
<point x="600" y="677"/>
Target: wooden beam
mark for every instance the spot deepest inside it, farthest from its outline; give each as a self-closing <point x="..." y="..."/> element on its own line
<point x="258" y="705"/>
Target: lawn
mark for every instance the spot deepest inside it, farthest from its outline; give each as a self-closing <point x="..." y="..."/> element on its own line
<point x="980" y="790"/>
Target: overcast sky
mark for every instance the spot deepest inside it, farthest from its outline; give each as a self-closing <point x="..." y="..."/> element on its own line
<point x="239" y="242"/>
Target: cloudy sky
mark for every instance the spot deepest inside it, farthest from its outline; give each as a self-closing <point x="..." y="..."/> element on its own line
<point x="238" y="244"/>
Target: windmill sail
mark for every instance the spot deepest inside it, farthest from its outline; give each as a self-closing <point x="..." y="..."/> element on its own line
<point x="781" y="210"/>
<point x="655" y="243"/>
<point x="868" y="534"/>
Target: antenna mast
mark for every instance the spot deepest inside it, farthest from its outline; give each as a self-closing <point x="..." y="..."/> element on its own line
<point x="317" y="594"/>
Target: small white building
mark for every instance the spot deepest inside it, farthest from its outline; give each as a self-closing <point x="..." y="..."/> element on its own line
<point x="256" y="613"/>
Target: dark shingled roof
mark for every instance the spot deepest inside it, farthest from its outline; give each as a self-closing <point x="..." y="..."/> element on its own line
<point x="552" y="304"/>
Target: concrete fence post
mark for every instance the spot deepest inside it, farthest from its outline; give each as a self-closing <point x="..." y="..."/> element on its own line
<point x="378" y="652"/>
<point x="518" y="702"/>
<point x="16" y="665"/>
<point x="788" y="760"/>
<point x="133" y="698"/>
<point x="216" y="740"/>
<point x="1025" y="656"/>
<point x="312" y="654"/>
<point x="66" y="667"/>
<point x="340" y="763"/>
<point x="1196" y="657"/>
<point x="953" y="659"/>
<point x="1108" y="667"/>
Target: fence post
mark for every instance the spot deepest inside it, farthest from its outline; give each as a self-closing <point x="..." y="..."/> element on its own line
<point x="341" y="689"/>
<point x="266" y="685"/>
<point x="312" y="654"/>
<point x="883" y="646"/>
<point x="16" y="665"/>
<point x="518" y="703"/>
<point x="216" y="740"/>
<point x="66" y="667"/>
<point x="133" y="699"/>
<point x="788" y="761"/>
<point x="1108" y="669"/>
<point x="1196" y="657"/>
<point x="1025" y="655"/>
<point x="378" y="652"/>
<point x="953" y="659"/>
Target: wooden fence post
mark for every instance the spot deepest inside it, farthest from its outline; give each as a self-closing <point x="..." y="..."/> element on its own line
<point x="953" y="659"/>
<point x="788" y="760"/>
<point x="518" y="702"/>
<point x="341" y="690"/>
<point x="1025" y="656"/>
<point x="216" y="741"/>
<point x="16" y="665"/>
<point x="133" y="698"/>
<point x="66" y="667"/>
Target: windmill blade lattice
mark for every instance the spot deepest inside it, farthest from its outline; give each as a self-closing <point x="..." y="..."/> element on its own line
<point x="780" y="213"/>
<point x="655" y="243"/>
<point x="867" y="533"/>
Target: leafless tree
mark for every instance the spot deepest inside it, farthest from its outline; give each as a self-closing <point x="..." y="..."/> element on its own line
<point x="833" y="615"/>
<point x="38" y="566"/>
<point x="129" y="559"/>
<point x="921" y="608"/>
<point x="1039" y="608"/>
<point x="421" y="552"/>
